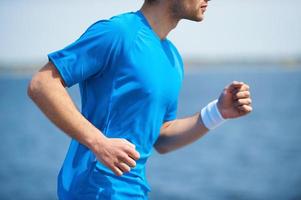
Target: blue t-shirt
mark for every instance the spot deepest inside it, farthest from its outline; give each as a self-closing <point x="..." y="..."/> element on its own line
<point x="129" y="81"/>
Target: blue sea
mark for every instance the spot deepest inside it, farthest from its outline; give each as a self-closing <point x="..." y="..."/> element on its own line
<point x="257" y="157"/>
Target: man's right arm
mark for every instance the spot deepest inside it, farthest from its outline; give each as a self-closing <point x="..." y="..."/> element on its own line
<point x="47" y="90"/>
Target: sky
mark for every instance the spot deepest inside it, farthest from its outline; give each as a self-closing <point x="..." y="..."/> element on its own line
<point x="232" y="29"/>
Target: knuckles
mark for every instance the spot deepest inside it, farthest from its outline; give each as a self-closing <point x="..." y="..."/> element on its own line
<point x="247" y="87"/>
<point x="127" y="148"/>
<point x="118" y="173"/>
<point x="240" y="101"/>
<point x="247" y="109"/>
<point x="122" y="157"/>
<point x="245" y="94"/>
<point x="137" y="156"/>
<point x="244" y="101"/>
<point x="127" y="169"/>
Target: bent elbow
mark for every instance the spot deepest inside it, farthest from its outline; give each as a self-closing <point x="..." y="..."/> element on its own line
<point x="162" y="150"/>
<point x="30" y="89"/>
<point x="33" y="87"/>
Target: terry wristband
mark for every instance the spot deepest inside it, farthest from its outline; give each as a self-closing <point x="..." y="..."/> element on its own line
<point x="211" y="116"/>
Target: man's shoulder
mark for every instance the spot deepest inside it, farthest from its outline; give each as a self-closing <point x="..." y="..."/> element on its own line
<point x="123" y="26"/>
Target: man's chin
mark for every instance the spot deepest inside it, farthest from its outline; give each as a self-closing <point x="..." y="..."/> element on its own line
<point x="196" y="18"/>
<point x="200" y="19"/>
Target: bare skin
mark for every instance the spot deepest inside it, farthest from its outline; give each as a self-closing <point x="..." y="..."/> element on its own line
<point x="164" y="16"/>
<point x="234" y="101"/>
<point x="47" y="90"/>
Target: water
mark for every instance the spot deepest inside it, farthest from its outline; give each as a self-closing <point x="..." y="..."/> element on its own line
<point x="257" y="157"/>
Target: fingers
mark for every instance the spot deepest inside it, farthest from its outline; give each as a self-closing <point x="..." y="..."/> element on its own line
<point x="242" y="95"/>
<point x="126" y="161"/>
<point x="236" y="86"/>
<point x="245" y="87"/>
<point x="245" y="109"/>
<point x="131" y="151"/>
<point x="241" y="91"/>
<point x="123" y="167"/>
<point x="116" y="171"/>
<point x="118" y="154"/>
<point x="129" y="161"/>
<point x="241" y="102"/>
<point x="132" y="145"/>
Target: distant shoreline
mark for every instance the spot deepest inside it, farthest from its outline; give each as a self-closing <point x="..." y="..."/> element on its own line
<point x="191" y="64"/>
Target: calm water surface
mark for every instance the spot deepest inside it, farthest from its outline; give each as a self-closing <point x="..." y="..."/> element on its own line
<point x="257" y="157"/>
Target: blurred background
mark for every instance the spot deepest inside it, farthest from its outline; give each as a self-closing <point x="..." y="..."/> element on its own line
<point x="257" y="157"/>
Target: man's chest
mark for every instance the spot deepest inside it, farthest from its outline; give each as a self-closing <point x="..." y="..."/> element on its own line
<point x="152" y="73"/>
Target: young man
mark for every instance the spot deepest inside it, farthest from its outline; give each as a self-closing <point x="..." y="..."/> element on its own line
<point x="129" y="76"/>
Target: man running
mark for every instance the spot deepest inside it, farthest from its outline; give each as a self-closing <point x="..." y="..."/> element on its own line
<point x="129" y="75"/>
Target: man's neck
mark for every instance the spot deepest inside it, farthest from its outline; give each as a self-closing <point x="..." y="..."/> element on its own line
<point x="160" y="18"/>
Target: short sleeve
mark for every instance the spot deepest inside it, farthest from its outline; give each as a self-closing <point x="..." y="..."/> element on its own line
<point x="91" y="54"/>
<point x="171" y="112"/>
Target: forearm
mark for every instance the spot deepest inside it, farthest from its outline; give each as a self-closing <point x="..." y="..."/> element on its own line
<point x="179" y="133"/>
<point x="47" y="91"/>
<point x="233" y="102"/>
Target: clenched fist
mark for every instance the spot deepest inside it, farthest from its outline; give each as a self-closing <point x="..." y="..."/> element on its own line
<point x="235" y="100"/>
<point x="118" y="154"/>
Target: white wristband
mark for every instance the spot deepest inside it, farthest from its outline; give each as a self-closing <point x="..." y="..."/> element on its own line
<point x="211" y="116"/>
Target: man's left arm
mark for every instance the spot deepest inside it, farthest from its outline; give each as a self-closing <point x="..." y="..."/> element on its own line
<point x="235" y="101"/>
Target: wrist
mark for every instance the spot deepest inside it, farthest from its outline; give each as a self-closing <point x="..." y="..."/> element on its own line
<point x="96" y="142"/>
<point x="211" y="116"/>
<point x="220" y="109"/>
